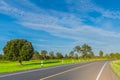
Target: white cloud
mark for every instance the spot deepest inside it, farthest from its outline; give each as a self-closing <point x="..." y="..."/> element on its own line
<point x="85" y="6"/>
<point x="56" y="26"/>
<point x="112" y="14"/>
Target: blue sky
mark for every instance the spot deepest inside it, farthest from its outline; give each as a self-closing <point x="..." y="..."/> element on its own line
<point x="59" y="25"/>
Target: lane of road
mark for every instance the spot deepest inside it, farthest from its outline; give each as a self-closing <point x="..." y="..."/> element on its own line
<point x="88" y="72"/>
<point x="98" y="70"/>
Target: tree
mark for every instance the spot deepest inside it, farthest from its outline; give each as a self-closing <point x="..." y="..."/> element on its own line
<point x="1" y="57"/>
<point x="51" y="55"/>
<point x="36" y="55"/>
<point x="86" y="50"/>
<point x="71" y="54"/>
<point x="107" y="56"/>
<point x="77" y="49"/>
<point x="76" y="56"/>
<point x="101" y="53"/>
<point x="44" y="54"/>
<point x="90" y="55"/>
<point x="66" y="56"/>
<point x="18" y="49"/>
<point x="114" y="56"/>
<point x="59" y="55"/>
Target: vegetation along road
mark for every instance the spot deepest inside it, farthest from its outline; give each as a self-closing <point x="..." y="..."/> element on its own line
<point x="97" y="70"/>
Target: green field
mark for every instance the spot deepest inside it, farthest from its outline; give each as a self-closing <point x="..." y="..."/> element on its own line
<point x="115" y="65"/>
<point x="7" y="66"/>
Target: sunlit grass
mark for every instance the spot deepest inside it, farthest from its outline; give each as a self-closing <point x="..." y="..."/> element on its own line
<point x="115" y="65"/>
<point x="7" y="66"/>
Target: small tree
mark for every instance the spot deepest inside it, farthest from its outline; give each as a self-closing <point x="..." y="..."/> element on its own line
<point x="51" y="55"/>
<point x="107" y="56"/>
<point x="59" y="55"/>
<point x="18" y="49"/>
<point x="101" y="53"/>
<point x="36" y="56"/>
<point x="90" y="55"/>
<point x="76" y="56"/>
<point x="71" y="54"/>
<point x="44" y="54"/>
<point x="66" y="56"/>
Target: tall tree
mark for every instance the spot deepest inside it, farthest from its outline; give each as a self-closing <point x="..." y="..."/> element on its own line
<point x="18" y="49"/>
<point x="44" y="54"/>
<point x="101" y="53"/>
<point x="86" y="49"/>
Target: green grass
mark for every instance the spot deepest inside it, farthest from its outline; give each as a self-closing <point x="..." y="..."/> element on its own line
<point x="115" y="65"/>
<point x="7" y="66"/>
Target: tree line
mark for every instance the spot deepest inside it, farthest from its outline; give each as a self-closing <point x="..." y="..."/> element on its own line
<point x="22" y="50"/>
<point x="85" y="51"/>
<point x="44" y="55"/>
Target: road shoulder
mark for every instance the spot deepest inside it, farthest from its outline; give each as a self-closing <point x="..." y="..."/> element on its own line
<point x="108" y="74"/>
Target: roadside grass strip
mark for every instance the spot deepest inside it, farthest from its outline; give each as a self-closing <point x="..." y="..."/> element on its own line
<point x="115" y="65"/>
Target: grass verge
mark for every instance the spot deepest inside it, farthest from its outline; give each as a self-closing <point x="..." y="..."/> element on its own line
<point x="115" y="65"/>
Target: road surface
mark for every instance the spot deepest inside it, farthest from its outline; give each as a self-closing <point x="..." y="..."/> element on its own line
<point x="98" y="70"/>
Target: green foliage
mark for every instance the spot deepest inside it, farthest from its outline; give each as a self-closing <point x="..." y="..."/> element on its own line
<point x="44" y="54"/>
<point x="18" y="49"/>
<point x="77" y="49"/>
<point x="114" y="56"/>
<point x="59" y="55"/>
<point x="71" y="54"/>
<point x="36" y="55"/>
<point x="107" y="56"/>
<point x="51" y="55"/>
<point x="1" y="57"/>
<point x="66" y="56"/>
<point x="76" y="56"/>
<point x="90" y="55"/>
<point x="101" y="53"/>
<point x="85" y="51"/>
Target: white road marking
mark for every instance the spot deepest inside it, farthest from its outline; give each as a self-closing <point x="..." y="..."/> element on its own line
<point x="11" y="74"/>
<point x="101" y="71"/>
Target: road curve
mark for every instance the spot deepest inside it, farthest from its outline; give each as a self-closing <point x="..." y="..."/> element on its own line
<point x="97" y="70"/>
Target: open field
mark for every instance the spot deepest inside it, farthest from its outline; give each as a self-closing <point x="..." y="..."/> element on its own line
<point x="116" y="67"/>
<point x="7" y="66"/>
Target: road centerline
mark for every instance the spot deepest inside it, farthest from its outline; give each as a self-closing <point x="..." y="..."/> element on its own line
<point x="101" y="70"/>
<point x="65" y="71"/>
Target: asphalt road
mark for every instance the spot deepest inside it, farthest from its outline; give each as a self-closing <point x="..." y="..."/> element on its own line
<point x="99" y="70"/>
